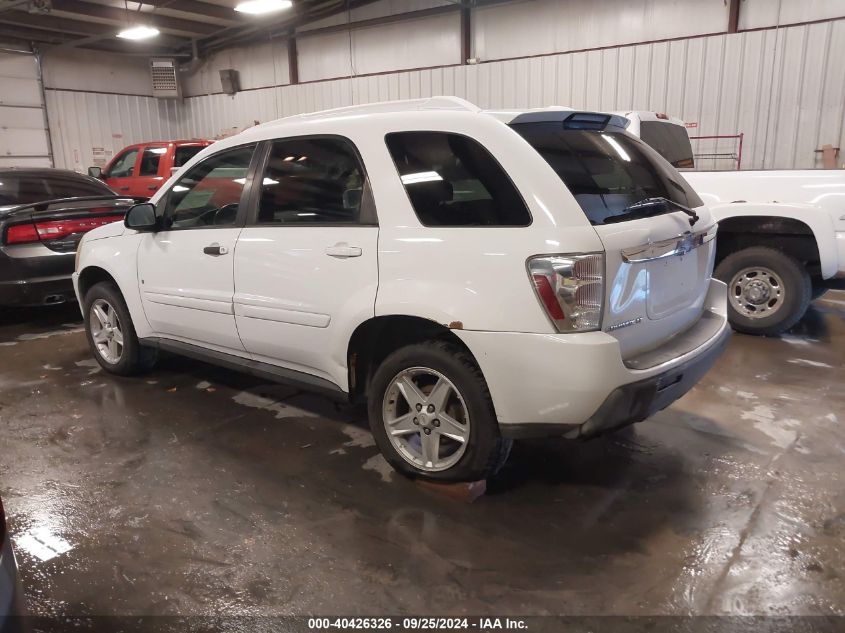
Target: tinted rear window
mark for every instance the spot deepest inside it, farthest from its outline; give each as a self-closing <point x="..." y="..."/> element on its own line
<point x="26" y="189"/>
<point x="184" y="153"/>
<point x="452" y="180"/>
<point x="607" y="171"/>
<point x="70" y="187"/>
<point x="669" y="140"/>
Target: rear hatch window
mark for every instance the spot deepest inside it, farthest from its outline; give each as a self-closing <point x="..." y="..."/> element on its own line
<point x="614" y="176"/>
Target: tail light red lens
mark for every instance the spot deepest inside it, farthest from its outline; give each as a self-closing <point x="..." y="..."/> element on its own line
<point x="55" y="229"/>
<point x="570" y="289"/>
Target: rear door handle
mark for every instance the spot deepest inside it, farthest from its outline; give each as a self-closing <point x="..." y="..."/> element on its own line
<point x="343" y="250"/>
<point x="152" y="187"/>
<point x="124" y="188"/>
<point x="215" y="249"/>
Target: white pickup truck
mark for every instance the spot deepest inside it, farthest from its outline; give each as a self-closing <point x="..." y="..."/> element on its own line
<point x="781" y="236"/>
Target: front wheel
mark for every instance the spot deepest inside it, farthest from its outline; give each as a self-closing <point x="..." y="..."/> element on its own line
<point x="768" y="290"/>
<point x="431" y="414"/>
<point x="111" y="333"/>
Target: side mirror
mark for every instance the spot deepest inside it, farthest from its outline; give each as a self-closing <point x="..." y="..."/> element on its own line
<point x="141" y="217"/>
<point x="95" y="172"/>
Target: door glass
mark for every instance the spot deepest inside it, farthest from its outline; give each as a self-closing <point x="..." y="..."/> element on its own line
<point x="150" y="160"/>
<point x="124" y="164"/>
<point x="210" y="193"/>
<point x="186" y="153"/>
<point x="311" y="180"/>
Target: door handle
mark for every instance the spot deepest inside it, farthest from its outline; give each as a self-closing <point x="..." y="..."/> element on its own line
<point x="342" y="250"/>
<point x="124" y="188"/>
<point x="215" y="249"/>
<point x="152" y="187"/>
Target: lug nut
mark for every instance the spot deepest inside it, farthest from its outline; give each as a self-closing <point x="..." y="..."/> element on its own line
<point x="419" y="407"/>
<point x="430" y="408"/>
<point x="427" y="431"/>
<point x="416" y="421"/>
<point x="436" y="423"/>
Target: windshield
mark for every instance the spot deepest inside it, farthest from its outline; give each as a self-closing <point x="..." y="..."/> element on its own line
<point x="608" y="171"/>
<point x="670" y="141"/>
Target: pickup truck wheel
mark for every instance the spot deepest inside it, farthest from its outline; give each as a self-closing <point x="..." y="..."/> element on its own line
<point x="432" y="417"/>
<point x="768" y="290"/>
<point x="111" y="334"/>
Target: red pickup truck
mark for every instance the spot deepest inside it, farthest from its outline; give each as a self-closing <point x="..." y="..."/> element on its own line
<point x="139" y="170"/>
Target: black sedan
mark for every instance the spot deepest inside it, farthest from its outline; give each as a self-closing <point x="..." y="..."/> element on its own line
<point x="43" y="215"/>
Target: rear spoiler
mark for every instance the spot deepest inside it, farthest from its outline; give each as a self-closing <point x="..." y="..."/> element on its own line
<point x="42" y="205"/>
<point x="574" y="120"/>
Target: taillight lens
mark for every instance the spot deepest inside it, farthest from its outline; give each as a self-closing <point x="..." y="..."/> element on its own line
<point x="570" y="289"/>
<point x="55" y="229"/>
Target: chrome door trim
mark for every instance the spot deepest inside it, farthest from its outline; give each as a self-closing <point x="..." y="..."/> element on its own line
<point x="675" y="246"/>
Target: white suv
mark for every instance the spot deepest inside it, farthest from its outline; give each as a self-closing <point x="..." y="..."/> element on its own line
<point x="475" y="276"/>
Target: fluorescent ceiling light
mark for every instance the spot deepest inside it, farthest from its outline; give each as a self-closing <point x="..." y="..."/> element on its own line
<point x="422" y="176"/>
<point x="257" y="7"/>
<point x="139" y="32"/>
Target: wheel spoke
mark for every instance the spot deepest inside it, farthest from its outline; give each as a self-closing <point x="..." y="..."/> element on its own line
<point x="439" y="394"/>
<point x="97" y="311"/>
<point x="403" y="425"/>
<point x="452" y="429"/>
<point x="113" y="352"/>
<point x="409" y="391"/>
<point x="430" y="448"/>
<point x="112" y="317"/>
<point x="118" y="337"/>
<point x="99" y="336"/>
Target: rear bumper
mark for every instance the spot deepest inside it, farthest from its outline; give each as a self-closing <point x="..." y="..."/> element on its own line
<point x="32" y="274"/>
<point x="577" y="385"/>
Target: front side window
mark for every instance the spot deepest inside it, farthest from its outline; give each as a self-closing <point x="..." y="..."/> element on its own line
<point x="150" y="160"/>
<point x="210" y="193"/>
<point x="451" y="180"/>
<point x="124" y="164"/>
<point x="311" y="180"/>
<point x="612" y="175"/>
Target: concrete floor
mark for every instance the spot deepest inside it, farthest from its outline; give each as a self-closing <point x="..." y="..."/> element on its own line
<point x="195" y="490"/>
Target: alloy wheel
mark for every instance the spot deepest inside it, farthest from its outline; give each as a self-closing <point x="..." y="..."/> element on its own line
<point x="105" y="328"/>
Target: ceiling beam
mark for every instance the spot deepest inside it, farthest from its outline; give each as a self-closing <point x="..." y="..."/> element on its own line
<point x="120" y="17"/>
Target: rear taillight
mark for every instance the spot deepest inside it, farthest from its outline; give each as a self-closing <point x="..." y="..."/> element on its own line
<point x="55" y="229"/>
<point x="570" y="289"/>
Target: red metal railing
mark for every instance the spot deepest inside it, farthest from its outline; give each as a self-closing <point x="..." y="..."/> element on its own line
<point x="737" y="156"/>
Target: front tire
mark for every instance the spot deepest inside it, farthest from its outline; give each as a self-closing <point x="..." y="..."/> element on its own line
<point x="768" y="290"/>
<point x="111" y="333"/>
<point x="432" y="416"/>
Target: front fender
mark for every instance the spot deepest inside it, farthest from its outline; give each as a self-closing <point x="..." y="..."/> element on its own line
<point x="817" y="220"/>
<point x="118" y="257"/>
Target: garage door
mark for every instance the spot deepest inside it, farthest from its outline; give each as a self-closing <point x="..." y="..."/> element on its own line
<point x="23" y="136"/>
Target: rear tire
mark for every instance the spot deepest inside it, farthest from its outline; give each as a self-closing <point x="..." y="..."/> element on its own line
<point x="111" y="333"/>
<point x="768" y="290"/>
<point x="819" y="288"/>
<point x="412" y="414"/>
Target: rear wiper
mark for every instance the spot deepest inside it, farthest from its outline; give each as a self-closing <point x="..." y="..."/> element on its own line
<point x="655" y="204"/>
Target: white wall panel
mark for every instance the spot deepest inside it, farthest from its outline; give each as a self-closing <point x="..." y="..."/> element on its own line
<point x="535" y="27"/>
<point x="430" y="41"/>
<point x="82" y="121"/>
<point x="258" y="66"/>
<point x="23" y="137"/>
<point x="73" y="69"/>
<point x="755" y="14"/>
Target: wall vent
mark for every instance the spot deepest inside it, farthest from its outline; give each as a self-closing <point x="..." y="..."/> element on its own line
<point x="165" y="76"/>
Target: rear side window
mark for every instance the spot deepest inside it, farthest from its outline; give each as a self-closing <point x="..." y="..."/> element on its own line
<point x="608" y="172"/>
<point x="150" y="160"/>
<point x="311" y="180"/>
<point x="451" y="180"/>
<point x="185" y="153"/>
<point x="669" y="140"/>
<point x="64" y="187"/>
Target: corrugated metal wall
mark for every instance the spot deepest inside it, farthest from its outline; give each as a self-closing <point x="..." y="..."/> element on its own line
<point x="783" y="88"/>
<point x="88" y="128"/>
